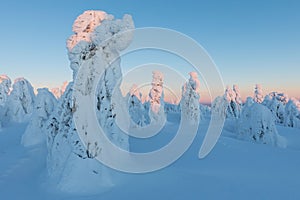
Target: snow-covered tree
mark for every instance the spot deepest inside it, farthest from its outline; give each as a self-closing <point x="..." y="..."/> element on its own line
<point x="205" y="111"/>
<point x="234" y="107"/>
<point x="238" y="97"/>
<point x="156" y="95"/>
<point x="258" y="124"/>
<point x="258" y="94"/>
<point x="35" y="132"/>
<point x="20" y="102"/>
<point x="96" y="44"/>
<point x="190" y="98"/>
<point x="282" y="97"/>
<point x="57" y="92"/>
<point x="276" y="107"/>
<point x="172" y="108"/>
<point x="292" y="113"/>
<point x="5" y="84"/>
<point x="219" y="107"/>
<point x="136" y="109"/>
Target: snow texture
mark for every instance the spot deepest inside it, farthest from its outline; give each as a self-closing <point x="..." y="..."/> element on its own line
<point x="35" y="132"/>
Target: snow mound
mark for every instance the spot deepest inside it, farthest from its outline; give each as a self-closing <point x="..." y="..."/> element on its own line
<point x="258" y="124"/>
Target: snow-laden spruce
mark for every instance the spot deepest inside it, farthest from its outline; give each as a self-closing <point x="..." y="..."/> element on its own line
<point x="276" y="107"/>
<point x="292" y="113"/>
<point x="35" y="132"/>
<point x="58" y="92"/>
<point x="5" y="84"/>
<point x="219" y="107"/>
<point x="257" y="124"/>
<point x="282" y="97"/>
<point x="156" y="99"/>
<point x="137" y="112"/>
<point x="258" y="94"/>
<point x="94" y="47"/>
<point x="19" y="105"/>
<point x="189" y="103"/>
<point x="234" y="107"/>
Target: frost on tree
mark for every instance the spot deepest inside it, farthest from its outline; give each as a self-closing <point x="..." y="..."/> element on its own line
<point x="258" y="124"/>
<point x="136" y="109"/>
<point x="282" y="97"/>
<point x="35" y="132"/>
<point x="5" y="84"/>
<point x="276" y="107"/>
<point x="58" y="92"/>
<point x="258" y="94"/>
<point x="233" y="109"/>
<point x="219" y="107"/>
<point x="190" y="106"/>
<point x="292" y="113"/>
<point x="156" y="98"/>
<point x="96" y="44"/>
<point x="20" y="102"/>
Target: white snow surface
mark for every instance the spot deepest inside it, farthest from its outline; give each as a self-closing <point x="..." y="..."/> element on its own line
<point x="233" y="170"/>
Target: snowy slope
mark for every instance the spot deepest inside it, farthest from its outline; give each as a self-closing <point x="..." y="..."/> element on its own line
<point x="234" y="170"/>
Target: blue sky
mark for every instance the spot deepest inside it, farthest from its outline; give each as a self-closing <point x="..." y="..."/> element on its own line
<point x="250" y="41"/>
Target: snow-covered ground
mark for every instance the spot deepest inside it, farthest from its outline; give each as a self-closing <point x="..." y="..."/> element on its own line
<point x="235" y="169"/>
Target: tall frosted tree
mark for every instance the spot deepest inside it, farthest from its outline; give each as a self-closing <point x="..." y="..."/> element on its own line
<point x="96" y="44"/>
<point x="5" y="84"/>
<point x="189" y="104"/>
<point x="156" y="98"/>
<point x="136" y="109"/>
<point x="292" y="113"/>
<point x="258" y="94"/>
